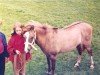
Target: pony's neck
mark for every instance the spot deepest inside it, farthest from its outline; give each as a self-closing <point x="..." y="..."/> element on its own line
<point x="40" y="36"/>
<point x="40" y="31"/>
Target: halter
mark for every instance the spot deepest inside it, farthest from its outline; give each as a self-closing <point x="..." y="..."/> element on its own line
<point x="27" y="42"/>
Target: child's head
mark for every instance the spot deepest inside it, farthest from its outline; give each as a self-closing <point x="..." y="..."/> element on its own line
<point x="17" y="28"/>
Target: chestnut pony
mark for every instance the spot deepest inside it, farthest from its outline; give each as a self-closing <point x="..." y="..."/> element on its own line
<point x="53" y="41"/>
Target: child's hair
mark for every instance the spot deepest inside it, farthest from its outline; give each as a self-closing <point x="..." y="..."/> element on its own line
<point x="17" y="24"/>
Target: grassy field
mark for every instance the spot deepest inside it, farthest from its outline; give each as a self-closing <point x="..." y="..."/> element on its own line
<point x="57" y="13"/>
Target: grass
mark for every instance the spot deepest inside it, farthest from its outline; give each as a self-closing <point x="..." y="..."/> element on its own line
<point x="57" y="13"/>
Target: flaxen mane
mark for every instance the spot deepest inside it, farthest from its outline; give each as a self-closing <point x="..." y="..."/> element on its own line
<point x="37" y="24"/>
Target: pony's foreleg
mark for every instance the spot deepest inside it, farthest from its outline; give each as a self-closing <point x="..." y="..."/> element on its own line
<point x="89" y="50"/>
<point x="49" y="64"/>
<point x="53" y="62"/>
<point x="80" y="49"/>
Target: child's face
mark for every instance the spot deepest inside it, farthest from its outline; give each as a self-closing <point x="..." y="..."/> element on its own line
<point x="18" y="30"/>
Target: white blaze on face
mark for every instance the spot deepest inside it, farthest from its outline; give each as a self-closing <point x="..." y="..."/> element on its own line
<point x="26" y="42"/>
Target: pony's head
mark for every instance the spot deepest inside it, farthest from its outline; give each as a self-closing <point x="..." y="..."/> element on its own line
<point x="29" y="32"/>
<point x="30" y="35"/>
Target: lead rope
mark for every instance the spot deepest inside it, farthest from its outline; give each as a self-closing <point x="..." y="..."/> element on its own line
<point x="20" y="62"/>
<point x="21" y="59"/>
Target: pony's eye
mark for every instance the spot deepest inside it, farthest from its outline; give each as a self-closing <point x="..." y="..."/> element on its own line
<point x="33" y="43"/>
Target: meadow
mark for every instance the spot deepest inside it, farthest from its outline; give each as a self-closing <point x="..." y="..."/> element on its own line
<point x="57" y="13"/>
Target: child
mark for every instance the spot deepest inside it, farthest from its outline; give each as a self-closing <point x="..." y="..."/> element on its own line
<point x="18" y="56"/>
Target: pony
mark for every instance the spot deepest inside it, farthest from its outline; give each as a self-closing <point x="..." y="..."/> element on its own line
<point x="53" y="40"/>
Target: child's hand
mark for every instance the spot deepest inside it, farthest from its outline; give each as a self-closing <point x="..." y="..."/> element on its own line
<point x="17" y="52"/>
<point x="6" y="59"/>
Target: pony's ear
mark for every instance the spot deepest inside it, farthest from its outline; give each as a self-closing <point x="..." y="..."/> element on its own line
<point x="31" y="27"/>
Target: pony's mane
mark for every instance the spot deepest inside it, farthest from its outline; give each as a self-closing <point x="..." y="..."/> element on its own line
<point x="38" y="24"/>
<point x="45" y="25"/>
<point x="73" y="24"/>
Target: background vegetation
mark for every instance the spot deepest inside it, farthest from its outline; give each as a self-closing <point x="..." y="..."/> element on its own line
<point x="57" y="13"/>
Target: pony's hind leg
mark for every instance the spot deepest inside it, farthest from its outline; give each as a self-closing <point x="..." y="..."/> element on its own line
<point x="90" y="52"/>
<point x="80" y="48"/>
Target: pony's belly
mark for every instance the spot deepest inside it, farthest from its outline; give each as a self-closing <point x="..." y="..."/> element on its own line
<point x="70" y="43"/>
<point x="68" y="49"/>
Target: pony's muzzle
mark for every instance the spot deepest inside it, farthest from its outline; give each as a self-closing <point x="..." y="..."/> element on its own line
<point x="27" y="49"/>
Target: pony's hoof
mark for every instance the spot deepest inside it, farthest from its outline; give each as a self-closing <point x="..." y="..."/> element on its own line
<point x="76" y="65"/>
<point x="48" y="73"/>
<point x="92" y="67"/>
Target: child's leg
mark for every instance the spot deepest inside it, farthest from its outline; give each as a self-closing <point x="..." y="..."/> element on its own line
<point x="16" y="72"/>
<point x="23" y="70"/>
